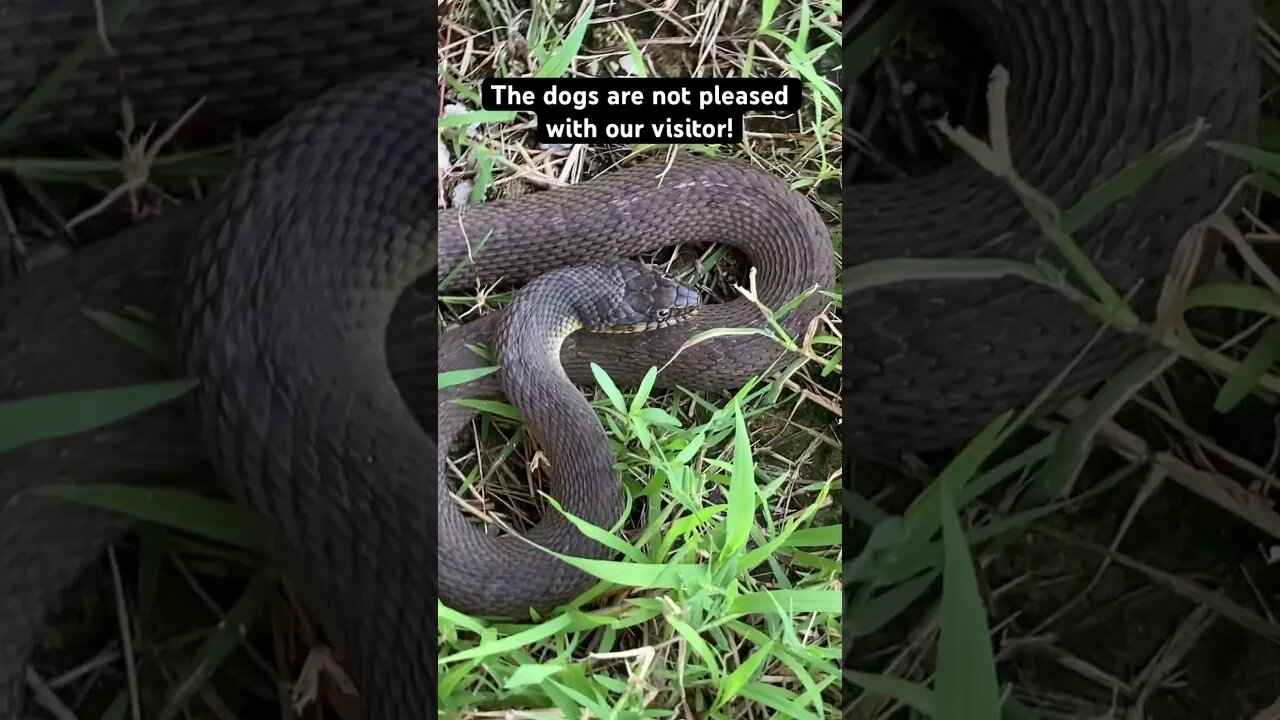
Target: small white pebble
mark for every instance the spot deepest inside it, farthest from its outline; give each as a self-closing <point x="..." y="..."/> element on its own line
<point x="1273" y="555"/>
<point x="628" y="64"/>
<point x="443" y="160"/>
<point x="462" y="193"/>
<point x="473" y="131"/>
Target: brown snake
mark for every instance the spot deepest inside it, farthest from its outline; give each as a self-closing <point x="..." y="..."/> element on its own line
<point x="1094" y="85"/>
<point x="346" y="180"/>
<point x="646" y="207"/>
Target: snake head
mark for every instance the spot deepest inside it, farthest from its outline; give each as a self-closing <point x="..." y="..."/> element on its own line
<point x="645" y="298"/>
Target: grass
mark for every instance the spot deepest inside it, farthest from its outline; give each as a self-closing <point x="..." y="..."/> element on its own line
<point x="1082" y="581"/>
<point x="724" y="603"/>
<point x="164" y="611"/>
<point x="724" y="600"/>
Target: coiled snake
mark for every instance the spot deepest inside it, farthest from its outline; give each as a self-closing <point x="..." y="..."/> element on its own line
<point x="315" y="235"/>
<point x="651" y="205"/>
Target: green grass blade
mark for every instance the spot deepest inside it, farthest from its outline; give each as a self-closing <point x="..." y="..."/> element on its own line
<point x="1235" y="297"/>
<point x="918" y="697"/>
<point x="450" y="378"/>
<point x="863" y="50"/>
<point x="1074" y="443"/>
<point x="642" y="392"/>
<point x="737" y="680"/>
<point x="219" y="520"/>
<point x="824" y="536"/>
<point x="923" y="513"/>
<point x="493" y="407"/>
<point x="152" y="342"/>
<point x="476" y="117"/>
<point x="563" y="57"/>
<point x="637" y="57"/>
<point x="600" y="535"/>
<point x="526" y="675"/>
<point x="966" y="683"/>
<point x="1260" y="358"/>
<point x="879" y="273"/>
<point x="794" y="601"/>
<point x="514" y="642"/>
<point x="880" y="610"/>
<point x="668" y="576"/>
<point x="1260" y="159"/>
<point x="220" y="644"/>
<point x="23" y="422"/>
<point x="1131" y="179"/>
<point x="742" y="491"/>
<point x="768" y="695"/>
<point x="610" y="388"/>
<point x="697" y="644"/>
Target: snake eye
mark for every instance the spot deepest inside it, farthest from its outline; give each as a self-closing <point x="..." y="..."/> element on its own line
<point x="663" y="314"/>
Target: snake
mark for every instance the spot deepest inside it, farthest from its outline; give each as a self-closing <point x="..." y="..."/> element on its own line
<point x="613" y="297"/>
<point x="656" y="203"/>
<point x="1094" y="86"/>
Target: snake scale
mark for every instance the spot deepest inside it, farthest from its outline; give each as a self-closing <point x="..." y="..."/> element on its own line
<point x="340" y="188"/>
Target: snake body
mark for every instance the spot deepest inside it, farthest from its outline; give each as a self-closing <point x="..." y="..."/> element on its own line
<point x="292" y="229"/>
<point x="316" y="438"/>
<point x="651" y="205"/>
<point x="613" y="297"/>
<point x="1094" y="85"/>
